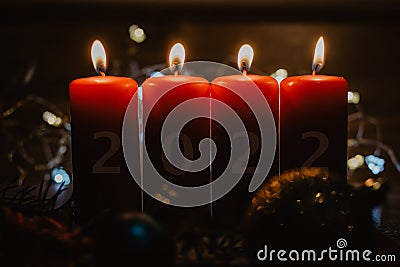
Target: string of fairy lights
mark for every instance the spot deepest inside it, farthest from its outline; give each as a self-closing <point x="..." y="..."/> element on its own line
<point x="54" y="135"/>
<point x="375" y="161"/>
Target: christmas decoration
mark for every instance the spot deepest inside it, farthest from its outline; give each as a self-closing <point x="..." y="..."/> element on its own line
<point x="208" y="245"/>
<point x="305" y="208"/>
<point x="37" y="240"/>
<point x="127" y="237"/>
<point x="298" y="202"/>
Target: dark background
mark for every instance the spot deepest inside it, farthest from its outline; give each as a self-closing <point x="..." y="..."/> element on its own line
<point x="361" y="40"/>
<point x="53" y="39"/>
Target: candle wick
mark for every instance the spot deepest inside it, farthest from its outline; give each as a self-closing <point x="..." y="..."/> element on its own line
<point x="175" y="69"/>
<point x="316" y="67"/>
<point x="102" y="74"/>
<point x="244" y="68"/>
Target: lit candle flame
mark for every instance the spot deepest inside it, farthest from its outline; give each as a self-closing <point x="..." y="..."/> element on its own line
<point x="176" y="57"/>
<point x="245" y="58"/>
<point x="99" y="58"/>
<point x="319" y="56"/>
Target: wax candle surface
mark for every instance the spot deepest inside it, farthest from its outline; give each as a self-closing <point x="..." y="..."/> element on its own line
<point x="313" y="123"/>
<point x="101" y="179"/>
<point x="178" y="90"/>
<point x="160" y="95"/>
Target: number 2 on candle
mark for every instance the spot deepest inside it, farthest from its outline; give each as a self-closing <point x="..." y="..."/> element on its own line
<point x="323" y="146"/>
<point x="99" y="167"/>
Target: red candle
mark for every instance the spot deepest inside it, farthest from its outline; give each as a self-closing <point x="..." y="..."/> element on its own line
<point x="160" y="96"/>
<point x="97" y="106"/>
<point x="262" y="99"/>
<point x="313" y="120"/>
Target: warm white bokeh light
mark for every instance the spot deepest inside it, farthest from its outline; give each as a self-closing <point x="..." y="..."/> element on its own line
<point x="136" y="33"/>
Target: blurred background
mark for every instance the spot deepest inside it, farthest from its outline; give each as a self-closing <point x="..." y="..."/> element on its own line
<point x="46" y="44"/>
<point x="54" y="38"/>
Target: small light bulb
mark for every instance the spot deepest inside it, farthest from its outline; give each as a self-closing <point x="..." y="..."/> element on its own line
<point x="59" y="175"/>
<point x="136" y="33"/>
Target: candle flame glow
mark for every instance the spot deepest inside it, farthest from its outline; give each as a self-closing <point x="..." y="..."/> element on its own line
<point x="176" y="55"/>
<point x="99" y="58"/>
<point x="319" y="55"/>
<point x="245" y="57"/>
